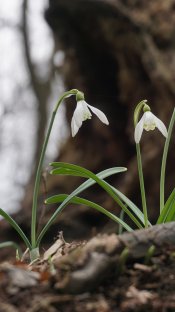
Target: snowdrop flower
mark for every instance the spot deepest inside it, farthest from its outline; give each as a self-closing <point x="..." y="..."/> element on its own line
<point x="149" y="122"/>
<point x="82" y="113"/>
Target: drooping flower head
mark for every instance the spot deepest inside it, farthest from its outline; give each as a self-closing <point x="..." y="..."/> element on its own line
<point x="82" y="113"/>
<point x="148" y="122"/>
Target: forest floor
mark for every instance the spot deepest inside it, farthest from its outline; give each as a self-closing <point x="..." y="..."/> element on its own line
<point x="132" y="287"/>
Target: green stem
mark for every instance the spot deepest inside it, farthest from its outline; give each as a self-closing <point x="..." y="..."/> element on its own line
<point x="40" y="165"/>
<point x="142" y="187"/>
<point x="34" y="254"/>
<point x="164" y="160"/>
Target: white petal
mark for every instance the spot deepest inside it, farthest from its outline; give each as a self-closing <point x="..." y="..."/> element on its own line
<point x="78" y="114"/>
<point x="139" y="130"/>
<point x="160" y="125"/>
<point x="86" y="112"/>
<point x="148" y="117"/>
<point x="77" y="119"/>
<point x="99" y="114"/>
<point x="74" y="127"/>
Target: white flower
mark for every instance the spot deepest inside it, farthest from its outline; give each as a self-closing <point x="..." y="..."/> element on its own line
<point x="149" y="122"/>
<point x="83" y="113"/>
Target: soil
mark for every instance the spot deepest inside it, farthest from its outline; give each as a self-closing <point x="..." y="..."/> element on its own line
<point x="130" y="287"/>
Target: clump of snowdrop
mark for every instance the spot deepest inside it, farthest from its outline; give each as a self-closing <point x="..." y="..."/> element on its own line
<point x="148" y="122"/>
<point x="139" y="219"/>
<point x="83" y="112"/>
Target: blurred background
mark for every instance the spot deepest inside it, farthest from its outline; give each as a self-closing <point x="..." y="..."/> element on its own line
<point x="117" y="53"/>
<point x="29" y="89"/>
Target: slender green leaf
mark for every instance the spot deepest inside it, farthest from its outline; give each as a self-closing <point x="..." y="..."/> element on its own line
<point x="107" y="187"/>
<point x="164" y="161"/>
<point x="171" y="213"/>
<point x="56" y="199"/>
<point x="83" y="201"/>
<point x="103" y="174"/>
<point x="12" y="222"/>
<point x="66" y="171"/>
<point x="166" y="209"/>
<point x="93" y="179"/>
<point x="130" y="204"/>
<point x="78" y="169"/>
